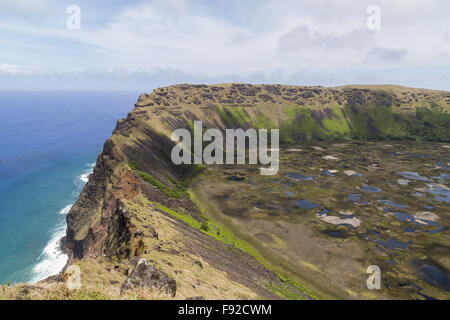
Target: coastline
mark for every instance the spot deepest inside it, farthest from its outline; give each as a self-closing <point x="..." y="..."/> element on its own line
<point x="54" y="257"/>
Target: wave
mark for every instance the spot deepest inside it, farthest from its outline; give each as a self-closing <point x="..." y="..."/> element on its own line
<point x="52" y="259"/>
<point x="84" y="177"/>
<point x="66" y="209"/>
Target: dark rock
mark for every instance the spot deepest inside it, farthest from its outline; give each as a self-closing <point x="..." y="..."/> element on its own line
<point x="53" y="279"/>
<point x="195" y="298"/>
<point x="266" y="97"/>
<point x="153" y="232"/>
<point x="273" y="89"/>
<point x="138" y="233"/>
<point x="118" y="232"/>
<point x="307" y="95"/>
<point x="207" y="96"/>
<point x="25" y="291"/>
<point x="235" y="178"/>
<point x="144" y="275"/>
<point x="198" y="263"/>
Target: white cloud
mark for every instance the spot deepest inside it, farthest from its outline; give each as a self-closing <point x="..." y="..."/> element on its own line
<point x="11" y="69"/>
<point x="252" y="39"/>
<point x="194" y="39"/>
<point x="303" y="38"/>
<point x="24" y="7"/>
<point x="387" y="54"/>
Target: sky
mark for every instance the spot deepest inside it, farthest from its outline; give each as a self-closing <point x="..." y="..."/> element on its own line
<point x="139" y="45"/>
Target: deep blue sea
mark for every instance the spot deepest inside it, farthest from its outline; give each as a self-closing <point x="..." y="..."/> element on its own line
<point x="49" y="142"/>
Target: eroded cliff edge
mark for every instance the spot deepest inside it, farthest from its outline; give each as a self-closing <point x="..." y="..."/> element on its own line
<point x="137" y="203"/>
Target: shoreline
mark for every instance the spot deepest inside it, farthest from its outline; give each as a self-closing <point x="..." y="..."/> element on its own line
<point x="55" y="255"/>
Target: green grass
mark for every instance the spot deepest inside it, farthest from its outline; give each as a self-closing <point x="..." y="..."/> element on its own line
<point x="365" y="123"/>
<point x="183" y="185"/>
<point x="337" y="125"/>
<point x="187" y="218"/>
<point x="358" y="120"/>
<point x="211" y="228"/>
<point x="223" y="234"/>
<point x="301" y="126"/>
<point x="84" y="294"/>
<point x="180" y="187"/>
<point x="387" y="122"/>
<point x="172" y="193"/>
<point x="430" y="125"/>
<point x="284" y="292"/>
<point x="264" y="122"/>
<point x="233" y="116"/>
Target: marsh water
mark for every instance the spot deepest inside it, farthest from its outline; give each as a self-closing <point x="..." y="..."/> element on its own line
<point x="334" y="209"/>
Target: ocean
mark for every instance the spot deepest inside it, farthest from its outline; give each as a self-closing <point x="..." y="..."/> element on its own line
<point x="49" y="143"/>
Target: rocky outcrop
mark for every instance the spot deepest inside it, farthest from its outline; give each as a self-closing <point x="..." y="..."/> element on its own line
<point x="101" y="223"/>
<point x="89" y="221"/>
<point x="146" y="276"/>
<point x="301" y="113"/>
<point x="119" y="233"/>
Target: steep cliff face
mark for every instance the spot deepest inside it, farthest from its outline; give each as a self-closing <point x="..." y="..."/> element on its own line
<point x="136" y="192"/>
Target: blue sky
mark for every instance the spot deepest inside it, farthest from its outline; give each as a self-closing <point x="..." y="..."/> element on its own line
<point x="139" y="45"/>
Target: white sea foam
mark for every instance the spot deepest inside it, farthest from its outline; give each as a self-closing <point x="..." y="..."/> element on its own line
<point x="52" y="259"/>
<point x="66" y="209"/>
<point x="84" y="177"/>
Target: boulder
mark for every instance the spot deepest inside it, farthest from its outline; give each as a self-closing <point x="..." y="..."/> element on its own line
<point x="145" y="275"/>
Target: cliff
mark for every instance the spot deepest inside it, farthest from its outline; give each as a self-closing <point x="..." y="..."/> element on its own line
<point x="137" y="204"/>
<point x="97" y="225"/>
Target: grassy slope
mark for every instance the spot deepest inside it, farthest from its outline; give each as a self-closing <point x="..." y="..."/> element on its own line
<point x="386" y="112"/>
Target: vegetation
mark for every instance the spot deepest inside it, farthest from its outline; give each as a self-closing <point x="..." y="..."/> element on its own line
<point x="172" y="193"/>
<point x="234" y="116"/>
<point x="223" y="234"/>
<point x="211" y="228"/>
<point x="331" y="114"/>
<point x="337" y="125"/>
<point x="430" y="125"/>
<point x="303" y="126"/>
<point x="358" y="123"/>
<point x="263" y="122"/>
<point x="284" y="292"/>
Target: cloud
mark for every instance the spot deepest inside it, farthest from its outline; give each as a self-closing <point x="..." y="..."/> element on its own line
<point x="302" y="37"/>
<point x="24" y="8"/>
<point x="11" y="69"/>
<point x="447" y="37"/>
<point x="145" y="81"/>
<point x="387" y="54"/>
<point x="233" y="40"/>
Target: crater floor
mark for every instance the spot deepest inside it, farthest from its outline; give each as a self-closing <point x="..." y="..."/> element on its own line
<point x="334" y="209"/>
